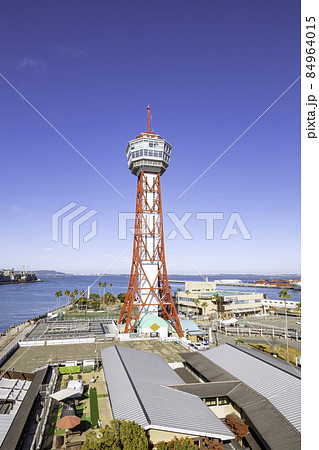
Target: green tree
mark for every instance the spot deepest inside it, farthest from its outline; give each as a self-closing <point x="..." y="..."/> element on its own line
<point x="177" y="444"/>
<point x="284" y="294"/>
<point x="119" y="435"/>
<point x="121" y="297"/>
<point x="111" y="286"/>
<point x="99" y="284"/>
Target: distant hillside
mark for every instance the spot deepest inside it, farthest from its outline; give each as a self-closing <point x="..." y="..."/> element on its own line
<point x="49" y="273"/>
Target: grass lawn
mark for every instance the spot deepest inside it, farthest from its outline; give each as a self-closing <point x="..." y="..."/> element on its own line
<point x="94" y="408"/>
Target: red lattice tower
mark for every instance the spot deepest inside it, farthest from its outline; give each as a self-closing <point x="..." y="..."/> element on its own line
<point x="148" y="292"/>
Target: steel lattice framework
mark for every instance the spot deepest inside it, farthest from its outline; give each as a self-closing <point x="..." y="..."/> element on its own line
<point x="144" y="292"/>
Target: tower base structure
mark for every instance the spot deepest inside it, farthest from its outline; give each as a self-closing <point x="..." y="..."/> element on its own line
<point x="148" y="290"/>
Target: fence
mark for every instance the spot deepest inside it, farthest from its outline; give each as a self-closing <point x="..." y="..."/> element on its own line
<point x="260" y="331"/>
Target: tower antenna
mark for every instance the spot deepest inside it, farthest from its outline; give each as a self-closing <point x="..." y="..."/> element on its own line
<point x="148" y="119"/>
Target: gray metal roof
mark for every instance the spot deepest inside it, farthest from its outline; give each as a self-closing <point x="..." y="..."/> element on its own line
<point x="281" y="388"/>
<point x="207" y="370"/>
<point x="276" y="362"/>
<point x="20" y="412"/>
<point x="137" y="384"/>
<point x="272" y="429"/>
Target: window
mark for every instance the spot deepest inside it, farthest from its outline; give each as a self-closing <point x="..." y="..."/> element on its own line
<point x="156" y="154"/>
<point x="150" y="152"/>
<point x="150" y="144"/>
<point x="132" y="146"/>
<point x="211" y="401"/>
<point x="223" y="401"/>
<point x="145" y="152"/>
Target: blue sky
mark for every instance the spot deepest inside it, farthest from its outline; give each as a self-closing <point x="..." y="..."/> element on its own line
<point x="208" y="69"/>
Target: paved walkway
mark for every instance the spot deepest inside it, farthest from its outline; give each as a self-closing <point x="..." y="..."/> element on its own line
<point x="15" y="335"/>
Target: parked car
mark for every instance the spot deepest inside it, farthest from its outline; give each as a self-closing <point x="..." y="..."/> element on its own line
<point x="199" y="346"/>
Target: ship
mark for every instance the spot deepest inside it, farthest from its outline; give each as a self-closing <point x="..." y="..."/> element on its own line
<point x="9" y="276"/>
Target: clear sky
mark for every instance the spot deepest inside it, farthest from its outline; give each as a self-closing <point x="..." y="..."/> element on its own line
<point x="208" y="69"/>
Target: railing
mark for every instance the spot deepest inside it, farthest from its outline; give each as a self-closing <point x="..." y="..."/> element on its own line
<point x="259" y="330"/>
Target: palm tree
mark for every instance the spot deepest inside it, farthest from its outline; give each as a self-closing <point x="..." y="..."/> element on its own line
<point x="99" y="284"/>
<point x="111" y="288"/>
<point x="204" y="305"/>
<point x="298" y="308"/>
<point x="283" y="294"/>
<point x="58" y="294"/>
<point x="104" y="286"/>
<point x="67" y="294"/>
<point x="218" y="298"/>
<point x="82" y="293"/>
<point x="196" y="301"/>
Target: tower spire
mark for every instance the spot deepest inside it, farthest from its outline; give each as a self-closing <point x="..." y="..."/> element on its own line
<point x="148" y="119"/>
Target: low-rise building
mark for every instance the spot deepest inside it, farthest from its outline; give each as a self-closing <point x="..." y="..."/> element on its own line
<point x="217" y="302"/>
<point x="263" y="391"/>
<point x="138" y="385"/>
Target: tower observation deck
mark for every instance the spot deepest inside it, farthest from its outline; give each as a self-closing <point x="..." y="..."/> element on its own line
<point x="148" y="157"/>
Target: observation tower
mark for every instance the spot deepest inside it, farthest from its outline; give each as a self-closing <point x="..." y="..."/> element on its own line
<point x="148" y="157"/>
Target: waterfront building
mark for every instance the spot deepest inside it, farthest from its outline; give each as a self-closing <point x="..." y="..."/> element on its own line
<point x="202" y="298"/>
<point x="148" y="157"/>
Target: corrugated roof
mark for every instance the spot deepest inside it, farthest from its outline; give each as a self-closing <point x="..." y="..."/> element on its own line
<point x="276" y="362"/>
<point x="12" y="424"/>
<point x="137" y="384"/>
<point x="206" y="368"/>
<point x="281" y="388"/>
<point x="273" y="430"/>
<point x="189" y="325"/>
